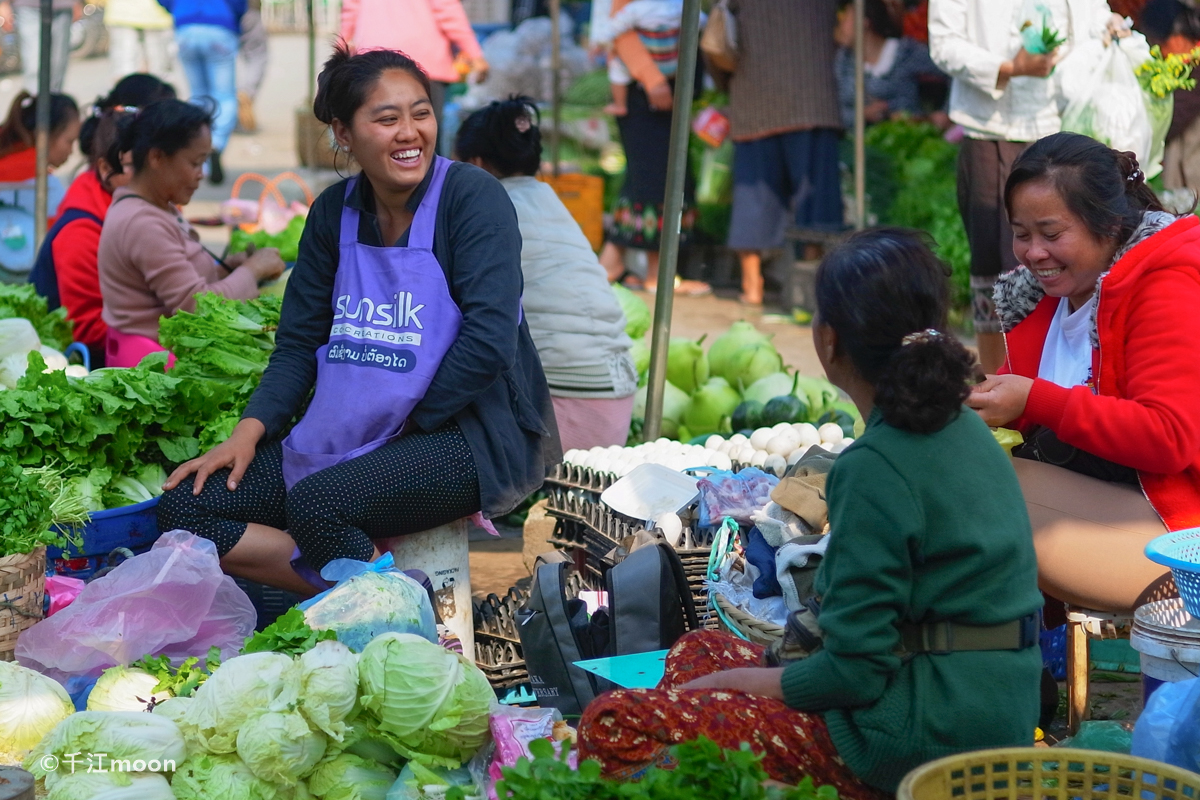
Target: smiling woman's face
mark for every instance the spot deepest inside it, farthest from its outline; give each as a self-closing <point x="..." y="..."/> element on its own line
<point x="393" y="136"/>
<point x="1056" y="245"/>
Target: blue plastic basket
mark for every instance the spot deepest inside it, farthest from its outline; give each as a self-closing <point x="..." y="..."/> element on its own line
<point x="134" y="528"/>
<point x="1180" y="551"/>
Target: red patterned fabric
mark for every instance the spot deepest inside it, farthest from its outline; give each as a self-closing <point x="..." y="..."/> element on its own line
<point x="630" y="730"/>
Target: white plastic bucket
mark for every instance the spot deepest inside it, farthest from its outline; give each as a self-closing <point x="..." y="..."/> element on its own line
<point x="442" y="554"/>
<point x="1168" y="639"/>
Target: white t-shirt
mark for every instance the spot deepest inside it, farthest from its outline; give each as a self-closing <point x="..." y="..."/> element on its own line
<point x="1067" y="354"/>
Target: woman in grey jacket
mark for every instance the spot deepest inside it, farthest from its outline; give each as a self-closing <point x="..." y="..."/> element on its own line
<point x="574" y="318"/>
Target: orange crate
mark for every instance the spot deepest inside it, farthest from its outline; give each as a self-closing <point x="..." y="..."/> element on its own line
<point x="583" y="195"/>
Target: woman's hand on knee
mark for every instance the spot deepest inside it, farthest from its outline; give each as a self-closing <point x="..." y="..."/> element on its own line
<point x="1001" y="398"/>
<point x="234" y="454"/>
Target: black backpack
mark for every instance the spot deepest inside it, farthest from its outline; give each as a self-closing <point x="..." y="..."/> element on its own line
<point x="650" y="608"/>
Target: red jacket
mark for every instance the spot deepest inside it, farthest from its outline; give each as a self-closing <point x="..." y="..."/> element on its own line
<point x="74" y="251"/>
<point x="1145" y="412"/>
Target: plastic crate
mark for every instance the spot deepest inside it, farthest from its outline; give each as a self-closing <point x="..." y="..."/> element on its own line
<point x="1180" y="550"/>
<point x="134" y="528"/>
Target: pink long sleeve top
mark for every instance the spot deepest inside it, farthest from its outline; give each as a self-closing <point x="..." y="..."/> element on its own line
<point x="421" y="29"/>
<point x="151" y="267"/>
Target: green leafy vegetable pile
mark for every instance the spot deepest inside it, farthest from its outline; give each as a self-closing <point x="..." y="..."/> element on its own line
<point x="24" y="511"/>
<point x="704" y="772"/>
<point x="22" y="300"/>
<point x="288" y="634"/>
<point x="286" y="241"/>
<point x="111" y="435"/>
<point x="221" y="351"/>
<point x="912" y="172"/>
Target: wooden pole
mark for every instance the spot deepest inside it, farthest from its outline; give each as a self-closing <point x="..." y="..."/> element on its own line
<point x="555" y="83"/>
<point x="860" y="120"/>
<point x="42" y="137"/>
<point x="664" y="300"/>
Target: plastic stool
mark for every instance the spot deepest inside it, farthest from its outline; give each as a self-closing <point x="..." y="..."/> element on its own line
<point x="442" y="554"/>
<point x="1082" y="625"/>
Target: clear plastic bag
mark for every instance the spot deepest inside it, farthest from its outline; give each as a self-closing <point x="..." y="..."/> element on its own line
<point x="1169" y="728"/>
<point x="725" y="494"/>
<point x="172" y="601"/>
<point x="1110" y="106"/>
<point x="370" y="599"/>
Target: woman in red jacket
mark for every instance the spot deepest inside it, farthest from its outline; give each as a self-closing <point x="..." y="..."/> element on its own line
<point x="66" y="272"/>
<point x="1102" y="319"/>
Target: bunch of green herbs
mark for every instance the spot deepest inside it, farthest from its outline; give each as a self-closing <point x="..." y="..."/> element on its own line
<point x="1161" y="76"/>
<point x="181" y="681"/>
<point x="703" y="771"/>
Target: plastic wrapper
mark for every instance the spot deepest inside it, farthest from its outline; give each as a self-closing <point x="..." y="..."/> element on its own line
<point x="1169" y="728"/>
<point x="519" y="63"/>
<point x="1104" y="735"/>
<point x="739" y="496"/>
<point x="62" y="592"/>
<point x="368" y="600"/>
<point x="172" y="601"/>
<point x="513" y="728"/>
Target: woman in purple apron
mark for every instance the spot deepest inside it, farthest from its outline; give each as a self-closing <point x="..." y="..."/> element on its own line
<point x="401" y="350"/>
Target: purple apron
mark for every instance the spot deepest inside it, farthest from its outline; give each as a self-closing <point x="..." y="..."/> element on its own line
<point x="393" y="321"/>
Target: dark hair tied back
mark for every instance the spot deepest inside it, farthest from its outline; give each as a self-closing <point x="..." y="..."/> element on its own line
<point x="886" y="295"/>
<point x="505" y="135"/>
<point x="1103" y="187"/>
<point x="348" y="77"/>
<point x="168" y="126"/>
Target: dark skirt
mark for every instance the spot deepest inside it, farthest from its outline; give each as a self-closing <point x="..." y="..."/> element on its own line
<point x="646" y="138"/>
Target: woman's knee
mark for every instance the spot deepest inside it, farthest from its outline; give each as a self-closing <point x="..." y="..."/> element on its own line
<point x="179" y="508"/>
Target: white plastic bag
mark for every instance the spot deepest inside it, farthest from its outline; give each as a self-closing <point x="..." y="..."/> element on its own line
<point x="1109" y="106"/>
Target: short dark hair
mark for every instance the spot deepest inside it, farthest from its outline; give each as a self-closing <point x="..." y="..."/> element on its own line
<point x="347" y="78"/>
<point x="505" y="135"/>
<point x="878" y="15"/>
<point x="877" y="288"/>
<point x="168" y="125"/>
<point x="1103" y="187"/>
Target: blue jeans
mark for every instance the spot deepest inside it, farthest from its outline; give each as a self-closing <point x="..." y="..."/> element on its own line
<point x="209" y="57"/>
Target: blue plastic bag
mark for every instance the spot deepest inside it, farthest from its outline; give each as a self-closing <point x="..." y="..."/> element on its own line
<point x="1169" y="728"/>
<point x="368" y="600"/>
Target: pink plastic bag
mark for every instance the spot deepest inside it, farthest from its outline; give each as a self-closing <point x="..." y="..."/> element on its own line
<point x="62" y="591"/>
<point x="513" y="728"/>
<point x="173" y="600"/>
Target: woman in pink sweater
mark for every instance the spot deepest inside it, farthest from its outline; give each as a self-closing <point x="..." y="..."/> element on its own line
<point x="151" y="262"/>
<point x="423" y="30"/>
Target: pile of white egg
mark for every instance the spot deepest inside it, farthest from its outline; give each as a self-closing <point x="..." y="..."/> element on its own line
<point x="777" y="448"/>
<point x="664" y="452"/>
<point x="773" y="449"/>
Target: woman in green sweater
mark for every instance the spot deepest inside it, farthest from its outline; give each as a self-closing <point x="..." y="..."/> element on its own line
<point x="929" y="598"/>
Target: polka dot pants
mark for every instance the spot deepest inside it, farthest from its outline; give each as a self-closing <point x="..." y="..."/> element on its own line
<point x="413" y="484"/>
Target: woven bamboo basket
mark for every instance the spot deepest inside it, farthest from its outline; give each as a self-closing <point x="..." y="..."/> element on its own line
<point x="742" y="625"/>
<point x="1018" y="773"/>
<point x="22" y="586"/>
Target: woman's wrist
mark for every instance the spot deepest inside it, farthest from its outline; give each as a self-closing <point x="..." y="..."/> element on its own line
<point x="253" y="430"/>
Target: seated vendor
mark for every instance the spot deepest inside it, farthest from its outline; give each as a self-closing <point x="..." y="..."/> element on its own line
<point x="1101" y="375"/>
<point x="404" y="313"/>
<point x="574" y="317"/>
<point x="18" y="150"/>
<point x="151" y="262"/>
<point x="66" y="272"/>
<point x="909" y="560"/>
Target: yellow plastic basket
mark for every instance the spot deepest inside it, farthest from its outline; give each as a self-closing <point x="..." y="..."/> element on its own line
<point x="1041" y="773"/>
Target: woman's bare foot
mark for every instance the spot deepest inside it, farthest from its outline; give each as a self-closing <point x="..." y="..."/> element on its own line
<point x="687" y="288"/>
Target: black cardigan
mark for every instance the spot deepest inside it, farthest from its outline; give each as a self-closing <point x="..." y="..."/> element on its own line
<point x="490" y="382"/>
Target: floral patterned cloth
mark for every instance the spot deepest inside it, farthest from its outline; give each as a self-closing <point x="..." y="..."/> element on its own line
<point x="630" y="730"/>
<point x="638" y="225"/>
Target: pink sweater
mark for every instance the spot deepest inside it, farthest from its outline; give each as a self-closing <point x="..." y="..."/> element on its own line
<point x="151" y="267"/>
<point x="421" y="29"/>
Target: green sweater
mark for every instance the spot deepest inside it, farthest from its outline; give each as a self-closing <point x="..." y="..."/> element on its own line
<point x="925" y="528"/>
